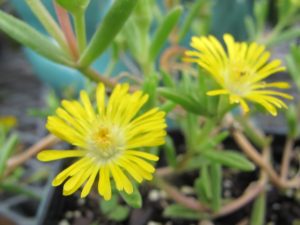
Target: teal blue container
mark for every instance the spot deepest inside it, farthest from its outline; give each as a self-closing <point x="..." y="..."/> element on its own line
<point x="55" y="75"/>
<point x="228" y="16"/>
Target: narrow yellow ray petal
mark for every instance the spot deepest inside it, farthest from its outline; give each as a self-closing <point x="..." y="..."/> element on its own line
<point x="142" y="163"/>
<point x="281" y="85"/>
<point x="62" y="176"/>
<point x="144" y="155"/>
<point x="75" y="109"/>
<point x="244" y="106"/>
<point x="100" y="98"/>
<point x="275" y="93"/>
<point x="70" y="171"/>
<point x="79" y="126"/>
<point x="50" y="155"/>
<point x="127" y="185"/>
<point x="87" y="187"/>
<point x="87" y="105"/>
<point x="75" y="182"/>
<point x="217" y="92"/>
<point x="104" y="186"/>
<point x="117" y="177"/>
<point x="130" y="169"/>
<point x="116" y="97"/>
<point x="71" y="185"/>
<point x="258" y="99"/>
<point x="229" y="41"/>
<point x="136" y="101"/>
<point x="260" y="63"/>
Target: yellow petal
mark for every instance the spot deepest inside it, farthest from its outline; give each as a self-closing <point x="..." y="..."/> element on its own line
<point x="130" y="169"/>
<point x="142" y="163"/>
<point x="87" y="105"/>
<point x="104" y="186"/>
<point x="87" y="187"/>
<point x="218" y="92"/>
<point x="100" y="98"/>
<point x="69" y="171"/>
<point x="144" y="155"/>
<point x="50" y="155"/>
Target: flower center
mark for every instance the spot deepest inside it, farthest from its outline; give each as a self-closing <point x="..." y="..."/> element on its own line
<point x="106" y="142"/>
<point x="237" y="80"/>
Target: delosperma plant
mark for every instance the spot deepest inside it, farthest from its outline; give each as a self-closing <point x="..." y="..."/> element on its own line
<point x="208" y="91"/>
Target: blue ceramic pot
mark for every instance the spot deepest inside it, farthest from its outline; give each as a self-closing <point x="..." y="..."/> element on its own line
<point x="55" y="75"/>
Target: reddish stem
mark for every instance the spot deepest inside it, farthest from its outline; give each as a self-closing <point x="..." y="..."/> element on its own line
<point x="66" y="26"/>
<point x="21" y="158"/>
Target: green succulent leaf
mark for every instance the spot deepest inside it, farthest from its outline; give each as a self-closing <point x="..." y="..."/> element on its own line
<point x="120" y="213"/>
<point x="187" y="102"/>
<point x="134" y="199"/>
<point x="109" y="206"/>
<point x="167" y="79"/>
<point x="107" y="30"/>
<point x="163" y="31"/>
<point x="74" y="6"/>
<point x="31" y="38"/>
<point x="229" y="158"/>
<point x="17" y="189"/>
<point x="203" y="184"/>
<point x="192" y="13"/>
<point x="292" y="63"/>
<point x="180" y="212"/>
<point x="291" y="117"/>
<point x="216" y="185"/>
<point x="259" y="210"/>
<point x="6" y="150"/>
<point x="113" y="210"/>
<point x="170" y="152"/>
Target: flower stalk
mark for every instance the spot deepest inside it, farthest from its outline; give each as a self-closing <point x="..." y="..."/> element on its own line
<point x="49" y="23"/>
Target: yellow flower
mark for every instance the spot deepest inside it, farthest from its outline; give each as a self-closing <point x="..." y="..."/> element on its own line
<point x="107" y="141"/>
<point x="8" y="121"/>
<point x="240" y="71"/>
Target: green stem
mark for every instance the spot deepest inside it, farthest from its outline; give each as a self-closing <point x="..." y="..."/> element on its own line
<point x="281" y="25"/>
<point x="66" y="26"/>
<point x="97" y="77"/>
<point x="79" y="20"/>
<point x="178" y="197"/>
<point x="49" y="23"/>
<point x="284" y="37"/>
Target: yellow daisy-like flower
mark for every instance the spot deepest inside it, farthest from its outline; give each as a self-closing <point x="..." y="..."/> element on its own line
<point x="240" y="71"/>
<point x="107" y="140"/>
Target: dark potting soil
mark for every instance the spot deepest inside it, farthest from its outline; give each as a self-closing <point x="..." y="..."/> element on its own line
<point x="282" y="208"/>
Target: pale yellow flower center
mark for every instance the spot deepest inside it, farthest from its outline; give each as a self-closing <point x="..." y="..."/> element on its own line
<point x="237" y="79"/>
<point x="106" y="142"/>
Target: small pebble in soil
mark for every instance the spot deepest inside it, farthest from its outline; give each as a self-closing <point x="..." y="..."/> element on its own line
<point x="274" y="217"/>
<point x="276" y="206"/>
<point x="169" y="223"/>
<point x="227" y="194"/>
<point x="269" y="187"/>
<point x="69" y="215"/>
<point x="154" y="195"/>
<point x="77" y="214"/>
<point x="163" y="194"/>
<point x="64" y="222"/>
<point x="81" y="202"/>
<point x="292" y="172"/>
<point x="270" y="223"/>
<point x="227" y="183"/>
<point x="289" y="193"/>
<point x="154" y="223"/>
<point x="206" y="222"/>
<point x="187" y="190"/>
